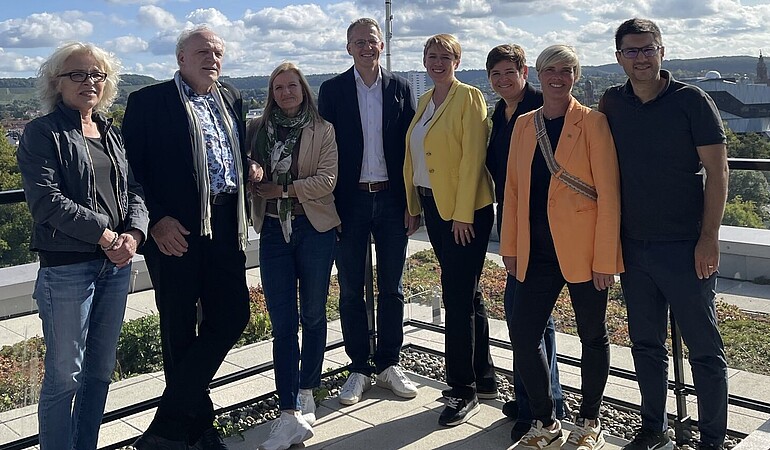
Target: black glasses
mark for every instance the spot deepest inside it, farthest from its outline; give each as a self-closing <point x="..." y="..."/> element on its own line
<point x="79" y="77"/>
<point x="361" y="43"/>
<point x="633" y="52"/>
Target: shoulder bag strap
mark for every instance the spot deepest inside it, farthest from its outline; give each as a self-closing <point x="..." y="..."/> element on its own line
<point x="573" y="182"/>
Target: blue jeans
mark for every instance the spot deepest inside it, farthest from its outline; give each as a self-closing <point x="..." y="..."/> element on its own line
<point x="382" y="215"/>
<point x="660" y="275"/>
<point x="549" y="344"/>
<point x="81" y="306"/>
<point x="307" y="259"/>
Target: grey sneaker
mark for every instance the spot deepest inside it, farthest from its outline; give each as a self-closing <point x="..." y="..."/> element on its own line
<point x="540" y="438"/>
<point x="586" y="437"/>
<point x="354" y="388"/>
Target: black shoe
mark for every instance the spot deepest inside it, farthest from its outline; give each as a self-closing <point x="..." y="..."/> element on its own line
<point x="482" y="394"/>
<point x="511" y="409"/>
<point x="650" y="440"/>
<point x="154" y="442"/>
<point x="210" y="440"/>
<point x="519" y="430"/>
<point x="458" y="410"/>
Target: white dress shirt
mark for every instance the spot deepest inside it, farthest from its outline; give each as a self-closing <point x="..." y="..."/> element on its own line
<point x="417" y="146"/>
<point x="373" y="167"/>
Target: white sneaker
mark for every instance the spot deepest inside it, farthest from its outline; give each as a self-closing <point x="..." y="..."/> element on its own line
<point x="354" y="388"/>
<point x="395" y="379"/>
<point x="586" y="437"/>
<point x="540" y="438"/>
<point x="307" y="405"/>
<point x="287" y="430"/>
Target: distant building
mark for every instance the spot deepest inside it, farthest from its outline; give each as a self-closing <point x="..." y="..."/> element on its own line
<point x="744" y="106"/>
<point x="254" y="113"/>
<point x="418" y="82"/>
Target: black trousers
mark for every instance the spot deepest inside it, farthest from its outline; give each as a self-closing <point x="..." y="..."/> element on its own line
<point x="212" y="271"/>
<point x="466" y="340"/>
<point x="535" y="300"/>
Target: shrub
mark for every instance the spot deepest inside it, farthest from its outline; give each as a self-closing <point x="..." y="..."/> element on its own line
<point x="139" y="348"/>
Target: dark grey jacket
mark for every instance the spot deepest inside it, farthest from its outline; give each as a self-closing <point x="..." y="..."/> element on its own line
<point x="59" y="183"/>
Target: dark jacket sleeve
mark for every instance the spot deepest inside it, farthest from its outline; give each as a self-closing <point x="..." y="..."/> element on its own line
<point x="40" y="165"/>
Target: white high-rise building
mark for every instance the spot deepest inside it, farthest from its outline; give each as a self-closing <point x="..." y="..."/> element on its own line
<point x="418" y="83"/>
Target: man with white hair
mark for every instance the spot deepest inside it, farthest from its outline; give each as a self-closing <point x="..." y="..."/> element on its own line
<point x="184" y="141"/>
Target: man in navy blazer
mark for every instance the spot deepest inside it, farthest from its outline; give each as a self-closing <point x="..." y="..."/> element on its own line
<point x="371" y="109"/>
<point x="185" y="142"/>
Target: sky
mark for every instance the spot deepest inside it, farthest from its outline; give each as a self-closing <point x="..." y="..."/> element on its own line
<point x="262" y="34"/>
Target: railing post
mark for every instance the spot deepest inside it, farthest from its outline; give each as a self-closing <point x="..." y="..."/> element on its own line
<point x="682" y="424"/>
<point x="435" y="303"/>
<point x="369" y="297"/>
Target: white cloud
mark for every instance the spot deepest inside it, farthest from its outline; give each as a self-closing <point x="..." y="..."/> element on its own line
<point x="44" y="30"/>
<point x="11" y="64"/>
<point x="156" y="16"/>
<point x="127" y="44"/>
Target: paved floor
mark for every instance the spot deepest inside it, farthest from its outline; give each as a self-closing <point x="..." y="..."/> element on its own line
<point x="381" y="421"/>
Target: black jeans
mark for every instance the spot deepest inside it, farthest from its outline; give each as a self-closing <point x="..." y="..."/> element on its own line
<point x="535" y="299"/>
<point x="214" y="272"/>
<point x="466" y="340"/>
<point x="382" y="215"/>
<point x="660" y="275"/>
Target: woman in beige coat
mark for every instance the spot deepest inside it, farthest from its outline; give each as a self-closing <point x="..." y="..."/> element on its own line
<point x="293" y="210"/>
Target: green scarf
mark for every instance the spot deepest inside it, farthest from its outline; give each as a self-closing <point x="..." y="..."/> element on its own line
<point x="277" y="155"/>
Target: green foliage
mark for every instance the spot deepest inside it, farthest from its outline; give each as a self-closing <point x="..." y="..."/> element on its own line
<point x="739" y="213"/>
<point x="139" y="348"/>
<point x="259" y="326"/>
<point x="117" y="114"/>
<point x="749" y="185"/>
<point x="747" y="145"/>
<point x="21" y="372"/>
<point x="15" y="219"/>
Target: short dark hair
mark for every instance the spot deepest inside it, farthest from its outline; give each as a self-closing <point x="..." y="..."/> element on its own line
<point x="637" y="26"/>
<point x="366" y="22"/>
<point x="506" y="52"/>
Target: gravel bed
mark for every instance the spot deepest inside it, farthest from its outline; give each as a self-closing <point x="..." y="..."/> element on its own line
<point x="616" y="421"/>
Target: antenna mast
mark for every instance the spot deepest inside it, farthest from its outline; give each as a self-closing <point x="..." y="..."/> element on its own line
<point x="388" y="32"/>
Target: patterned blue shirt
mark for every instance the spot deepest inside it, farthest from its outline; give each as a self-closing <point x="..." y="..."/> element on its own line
<point x="219" y="151"/>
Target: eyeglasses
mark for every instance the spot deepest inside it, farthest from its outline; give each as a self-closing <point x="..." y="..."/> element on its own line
<point x="633" y="52"/>
<point x="361" y="43"/>
<point x="79" y="77"/>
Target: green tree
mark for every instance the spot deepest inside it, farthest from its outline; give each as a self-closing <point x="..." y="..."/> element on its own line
<point x="741" y="213"/>
<point x="117" y="114"/>
<point x="750" y="185"/>
<point x="15" y="220"/>
<point x="747" y="145"/>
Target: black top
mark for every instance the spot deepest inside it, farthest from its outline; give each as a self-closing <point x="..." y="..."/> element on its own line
<point x="104" y="170"/>
<point x="541" y="242"/>
<point x="661" y="183"/>
<point x="500" y="137"/>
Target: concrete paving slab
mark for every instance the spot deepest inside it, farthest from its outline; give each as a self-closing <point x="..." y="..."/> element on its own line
<point x="239" y="391"/>
<point x="7" y="434"/>
<point x="140" y="422"/>
<point x="125" y="395"/>
<point x="251" y="355"/>
<point x="226" y="368"/>
<point x="23" y="426"/>
<point x="25" y="326"/>
<point x="114" y="432"/>
<point x="29" y="410"/>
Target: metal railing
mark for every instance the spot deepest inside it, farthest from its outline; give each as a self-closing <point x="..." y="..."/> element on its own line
<point x="682" y="421"/>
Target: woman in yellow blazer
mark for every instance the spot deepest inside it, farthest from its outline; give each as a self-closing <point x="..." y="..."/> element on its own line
<point x="553" y="235"/>
<point x="447" y="180"/>
<point x="293" y="210"/>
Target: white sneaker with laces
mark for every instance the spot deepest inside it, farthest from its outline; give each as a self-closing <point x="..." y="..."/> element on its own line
<point x="539" y="438"/>
<point x="354" y="388"/>
<point x="395" y="379"/>
<point x="307" y="405"/>
<point x="287" y="430"/>
<point x="586" y="437"/>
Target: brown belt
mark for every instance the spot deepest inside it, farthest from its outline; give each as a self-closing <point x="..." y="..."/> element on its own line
<point x="374" y="187"/>
<point x="223" y="198"/>
<point x="296" y="209"/>
<point x="425" y="192"/>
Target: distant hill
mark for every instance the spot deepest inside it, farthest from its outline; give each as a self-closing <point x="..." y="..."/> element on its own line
<point x="728" y="66"/>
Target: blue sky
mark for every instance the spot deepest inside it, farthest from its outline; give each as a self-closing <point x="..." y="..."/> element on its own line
<point x="261" y="34"/>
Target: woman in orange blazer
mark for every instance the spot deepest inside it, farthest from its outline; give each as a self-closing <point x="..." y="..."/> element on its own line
<point x="553" y="235"/>
<point x="446" y="179"/>
<point x="293" y="210"/>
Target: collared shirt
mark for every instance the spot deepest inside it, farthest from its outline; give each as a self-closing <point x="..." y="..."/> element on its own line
<point x="660" y="169"/>
<point x="219" y="150"/>
<point x="373" y="168"/>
